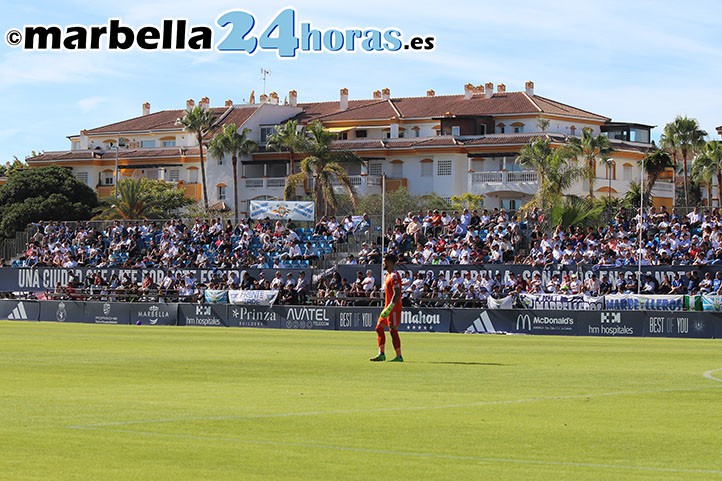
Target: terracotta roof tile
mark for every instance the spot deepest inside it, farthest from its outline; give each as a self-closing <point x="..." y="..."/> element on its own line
<point x="74" y="155"/>
<point x="163" y="120"/>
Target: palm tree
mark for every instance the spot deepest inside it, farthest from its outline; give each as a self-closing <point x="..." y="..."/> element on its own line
<point x="708" y="164"/>
<point x="288" y="137"/>
<point x="685" y="136"/>
<point x="200" y="122"/>
<point x="654" y="163"/>
<point x="555" y="166"/>
<point x="131" y="202"/>
<point x="230" y="141"/>
<point x="323" y="166"/>
<point x="592" y="149"/>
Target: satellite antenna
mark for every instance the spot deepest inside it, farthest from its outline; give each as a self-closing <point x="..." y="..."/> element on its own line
<point x="265" y="73"/>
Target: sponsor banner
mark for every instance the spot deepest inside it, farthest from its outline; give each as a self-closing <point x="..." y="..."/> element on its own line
<point x="577" y="302"/>
<point x="560" y="323"/>
<point x="213" y="315"/>
<point x="634" y="302"/>
<point x="356" y="318"/>
<point x="213" y="296"/>
<point x="611" y="324"/>
<point x="425" y="319"/>
<point x="154" y="314"/>
<point x="482" y="321"/>
<point x="680" y="324"/>
<point x="62" y="311"/>
<point x="19" y="310"/>
<point x="711" y="303"/>
<point x="107" y="312"/>
<point x="254" y="316"/>
<point x="287" y="210"/>
<point x="505" y="303"/>
<point x="306" y="317"/>
<point x="42" y="279"/>
<point x="252" y="298"/>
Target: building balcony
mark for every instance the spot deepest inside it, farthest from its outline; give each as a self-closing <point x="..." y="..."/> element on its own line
<point x="363" y="184"/>
<point x="523" y="182"/>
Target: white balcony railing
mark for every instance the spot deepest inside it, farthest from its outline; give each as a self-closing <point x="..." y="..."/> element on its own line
<point x="525" y="181"/>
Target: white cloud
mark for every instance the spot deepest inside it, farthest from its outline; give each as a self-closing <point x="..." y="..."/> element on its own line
<point x="89" y="104"/>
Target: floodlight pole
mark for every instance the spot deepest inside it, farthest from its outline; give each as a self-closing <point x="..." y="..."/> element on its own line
<point x="639" y="227"/>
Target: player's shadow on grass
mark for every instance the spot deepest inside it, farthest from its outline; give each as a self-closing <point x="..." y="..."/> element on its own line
<point x="461" y="363"/>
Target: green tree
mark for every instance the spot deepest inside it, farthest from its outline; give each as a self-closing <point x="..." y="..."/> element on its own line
<point x="288" y="137"/>
<point x="654" y="164"/>
<point x="145" y="199"/>
<point x="592" y="150"/>
<point x="230" y="142"/>
<point x="707" y="165"/>
<point x="200" y="122"/>
<point x="555" y="166"/>
<point x="683" y="135"/>
<point x="322" y="166"/>
<point x="46" y="193"/>
<point x="467" y="200"/>
<point x="576" y="211"/>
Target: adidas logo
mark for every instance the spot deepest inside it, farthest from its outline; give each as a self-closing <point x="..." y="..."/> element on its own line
<point x="19" y="313"/>
<point x="481" y="325"/>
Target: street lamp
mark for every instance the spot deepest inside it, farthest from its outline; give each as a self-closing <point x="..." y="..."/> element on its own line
<point x="121" y="143"/>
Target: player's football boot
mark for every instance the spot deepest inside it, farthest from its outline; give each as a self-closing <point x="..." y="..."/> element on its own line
<point x="380" y="357"/>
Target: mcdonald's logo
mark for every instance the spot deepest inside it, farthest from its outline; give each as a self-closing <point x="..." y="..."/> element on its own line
<point x="523" y="322"/>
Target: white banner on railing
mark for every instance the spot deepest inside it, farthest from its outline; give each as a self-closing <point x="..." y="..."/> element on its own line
<point x="252" y="298"/>
<point x="562" y="302"/>
<point x="286" y="210"/>
<point x="505" y="303"/>
<point x="634" y="302"/>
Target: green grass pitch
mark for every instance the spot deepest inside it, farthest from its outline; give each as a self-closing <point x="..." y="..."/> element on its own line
<point x="93" y="402"/>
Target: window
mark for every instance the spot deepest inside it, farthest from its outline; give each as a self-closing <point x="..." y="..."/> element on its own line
<point x="220" y="160"/>
<point x="108" y="178"/>
<point x="443" y="167"/>
<point x="573" y="129"/>
<point x="146" y="144"/>
<point x="375" y="169"/>
<point x="343" y="136"/>
<point x="174" y="175"/>
<point x="427" y="168"/>
<point x="169" y="143"/>
<point x="517" y="127"/>
<point x="192" y="176"/>
<point x="267" y="132"/>
<point x="417" y="132"/>
<point x="501" y="128"/>
<point x="627" y="172"/>
<point x="397" y="169"/>
<point x="221" y="192"/>
<point x="82" y="177"/>
<point x="455" y="130"/>
<point x="361" y="133"/>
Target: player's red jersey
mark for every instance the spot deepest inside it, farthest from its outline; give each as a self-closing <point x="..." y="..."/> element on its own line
<point x="393" y="280"/>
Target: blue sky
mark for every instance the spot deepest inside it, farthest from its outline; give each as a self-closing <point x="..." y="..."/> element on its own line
<point x="642" y="61"/>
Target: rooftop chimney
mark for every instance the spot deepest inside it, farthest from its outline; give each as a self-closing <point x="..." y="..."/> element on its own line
<point x="385" y="94"/>
<point x="344" y="98"/>
<point x="489" y="90"/>
<point x="146" y="108"/>
<point x="293" y="98"/>
<point x="501" y="89"/>
<point x="377" y="95"/>
<point x="229" y="103"/>
<point x="430" y="93"/>
<point x="273" y="97"/>
<point x="468" y="91"/>
<point x="190" y="103"/>
<point x="529" y="88"/>
<point x="263" y="99"/>
<point x="204" y="103"/>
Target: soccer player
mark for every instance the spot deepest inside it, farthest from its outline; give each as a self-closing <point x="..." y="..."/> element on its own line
<point x="391" y="315"/>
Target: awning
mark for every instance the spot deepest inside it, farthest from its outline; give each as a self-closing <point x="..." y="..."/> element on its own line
<point x="337" y="130"/>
